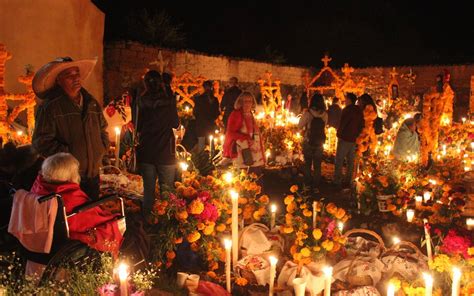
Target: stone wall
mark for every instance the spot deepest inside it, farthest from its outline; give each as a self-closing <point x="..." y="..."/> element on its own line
<point x="126" y="62"/>
<point x="36" y="32"/>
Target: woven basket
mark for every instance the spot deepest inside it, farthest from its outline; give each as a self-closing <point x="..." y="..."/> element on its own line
<point x="362" y="280"/>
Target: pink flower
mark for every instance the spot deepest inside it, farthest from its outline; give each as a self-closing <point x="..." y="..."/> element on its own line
<point x="471" y="136"/>
<point x="330" y="228"/>
<point x="204" y="196"/>
<point x="108" y="290"/>
<point x="455" y="244"/>
<point x="178" y="202"/>
<point x="209" y="213"/>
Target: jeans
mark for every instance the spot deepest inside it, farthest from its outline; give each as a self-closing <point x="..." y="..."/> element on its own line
<point x="313" y="156"/>
<point x="149" y="173"/>
<point x="90" y="186"/>
<point x="345" y="150"/>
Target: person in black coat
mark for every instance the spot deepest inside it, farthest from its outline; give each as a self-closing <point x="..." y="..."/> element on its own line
<point x="229" y="98"/>
<point x="334" y="113"/>
<point x="206" y="111"/>
<point x="156" y="155"/>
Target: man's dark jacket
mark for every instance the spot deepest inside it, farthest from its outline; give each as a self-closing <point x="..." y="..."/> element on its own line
<point x="61" y="126"/>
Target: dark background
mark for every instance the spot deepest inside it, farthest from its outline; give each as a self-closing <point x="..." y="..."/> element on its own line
<point x="363" y="33"/>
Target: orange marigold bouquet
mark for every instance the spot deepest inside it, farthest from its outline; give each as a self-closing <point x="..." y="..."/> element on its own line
<point x="307" y="243"/>
<point x="198" y="211"/>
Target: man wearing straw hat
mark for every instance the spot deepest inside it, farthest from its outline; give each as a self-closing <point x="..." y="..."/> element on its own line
<point x="70" y="119"/>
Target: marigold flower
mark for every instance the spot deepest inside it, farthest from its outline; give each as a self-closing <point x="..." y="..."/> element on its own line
<point x="243" y="200"/>
<point x="293" y="188"/>
<point x="240" y="281"/>
<point x="340" y="213"/>
<point x="213" y="265"/>
<point x="256" y="215"/>
<point x="317" y="234"/>
<point x="305" y="252"/>
<point x="291" y="207"/>
<point x="196" y="207"/>
<point x="331" y="208"/>
<point x="193" y="237"/>
<point x="209" y="229"/>
<point x="221" y="227"/>
<point x="289" y="199"/>
<point x="170" y="255"/>
<point x="182" y="215"/>
<point x="264" y="199"/>
<point x="178" y="240"/>
<point x="307" y="213"/>
<point x="211" y="274"/>
<point x="328" y="245"/>
<point x="200" y="226"/>
<point x="287" y="229"/>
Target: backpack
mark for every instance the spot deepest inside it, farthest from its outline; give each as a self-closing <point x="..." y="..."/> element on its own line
<point x="317" y="133"/>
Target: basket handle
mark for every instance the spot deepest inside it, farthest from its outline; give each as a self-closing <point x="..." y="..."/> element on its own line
<point x="410" y="245"/>
<point x="365" y="231"/>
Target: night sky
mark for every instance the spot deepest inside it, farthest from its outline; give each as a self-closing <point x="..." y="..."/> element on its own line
<point x="363" y="33"/>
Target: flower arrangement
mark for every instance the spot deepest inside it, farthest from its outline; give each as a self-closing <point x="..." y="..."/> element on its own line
<point x="118" y="105"/>
<point x="367" y="140"/>
<point x="198" y="211"/>
<point x="185" y="113"/>
<point x="307" y="243"/>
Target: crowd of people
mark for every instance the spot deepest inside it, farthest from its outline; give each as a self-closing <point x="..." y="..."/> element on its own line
<point x="70" y="134"/>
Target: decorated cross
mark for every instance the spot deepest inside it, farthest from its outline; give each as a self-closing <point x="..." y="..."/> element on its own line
<point x="187" y="86"/>
<point x="27" y="102"/>
<point x="160" y="62"/>
<point x="271" y="95"/>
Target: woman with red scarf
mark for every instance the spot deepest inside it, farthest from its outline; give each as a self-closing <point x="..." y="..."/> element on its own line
<point x="243" y="135"/>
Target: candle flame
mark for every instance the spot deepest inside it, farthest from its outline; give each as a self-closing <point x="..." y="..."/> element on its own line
<point x="123" y="271"/>
<point x="273" y="260"/>
<point x="234" y="195"/>
<point x="117" y="130"/>
<point x="227" y="243"/>
<point x="327" y="270"/>
<point x="184" y="166"/>
<point x="228" y="177"/>
<point x="273" y="208"/>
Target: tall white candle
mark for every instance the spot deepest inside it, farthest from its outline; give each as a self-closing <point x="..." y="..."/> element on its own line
<point x="235" y="227"/>
<point x="456" y="281"/>
<point x="211" y="137"/>
<point x="391" y="289"/>
<point x="428" y="239"/>
<point x="299" y="285"/>
<point x="272" y="218"/>
<point x="315" y="213"/>
<point x="227" y="246"/>
<point x="117" y="146"/>
<point x="123" y="273"/>
<point x="426" y="196"/>
<point x="410" y="215"/>
<point x="273" y="263"/>
<point x="327" y="280"/>
<point x="428" y="284"/>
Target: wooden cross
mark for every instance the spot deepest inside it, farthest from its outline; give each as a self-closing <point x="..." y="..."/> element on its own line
<point x="393" y="73"/>
<point x="347" y="70"/>
<point x="326" y="60"/>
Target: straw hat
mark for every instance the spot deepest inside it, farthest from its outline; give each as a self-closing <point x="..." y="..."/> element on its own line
<point x="45" y="78"/>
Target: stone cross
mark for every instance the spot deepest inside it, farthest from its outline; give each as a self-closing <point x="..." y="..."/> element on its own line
<point x="160" y="62"/>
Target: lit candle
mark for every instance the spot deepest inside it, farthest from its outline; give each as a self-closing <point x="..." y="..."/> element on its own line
<point x="235" y="227"/>
<point x="227" y="246"/>
<point x="117" y="146"/>
<point x="19" y="133"/>
<point x="315" y="213"/>
<point x="428" y="239"/>
<point x="472" y="146"/>
<point x="340" y="226"/>
<point x="410" y="215"/>
<point x="426" y="196"/>
<point x="123" y="273"/>
<point x="391" y="289"/>
<point x="272" y="219"/>
<point x="456" y="281"/>
<point x="463" y="120"/>
<point x="267" y="155"/>
<point x="222" y="139"/>
<point x="184" y="166"/>
<point x="396" y="240"/>
<point x="186" y="109"/>
<point x="273" y="263"/>
<point x="428" y="284"/>
<point x="211" y="137"/>
<point x="299" y="285"/>
<point x="228" y="177"/>
<point x="470" y="223"/>
<point x="327" y="280"/>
